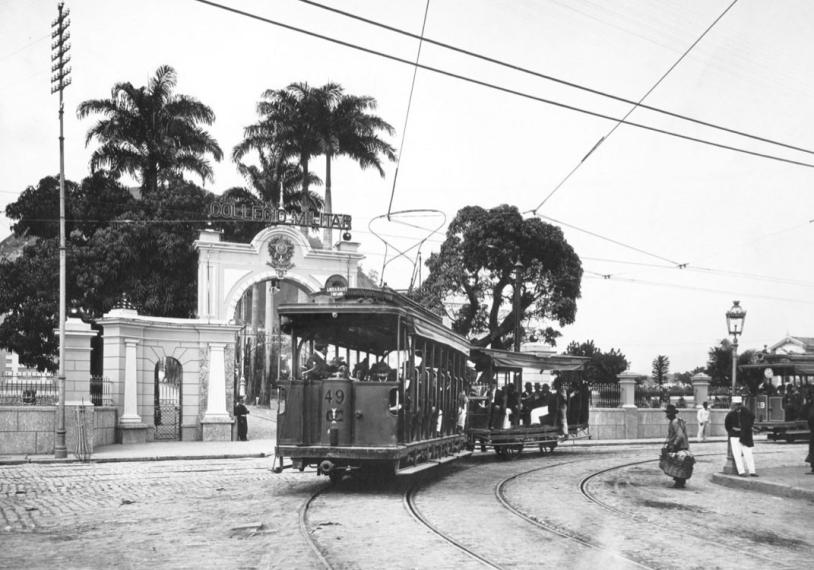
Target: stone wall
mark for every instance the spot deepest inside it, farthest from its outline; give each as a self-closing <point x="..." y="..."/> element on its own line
<point x="30" y="430"/>
<point x="643" y="423"/>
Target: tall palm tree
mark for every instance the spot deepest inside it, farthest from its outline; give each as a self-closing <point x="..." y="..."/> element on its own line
<point x="150" y="132"/>
<point x="275" y="178"/>
<point x="348" y="129"/>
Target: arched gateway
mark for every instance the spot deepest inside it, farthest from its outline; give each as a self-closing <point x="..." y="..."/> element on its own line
<point x="238" y="285"/>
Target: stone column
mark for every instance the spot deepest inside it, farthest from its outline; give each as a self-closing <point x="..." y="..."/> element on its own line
<point x="132" y="429"/>
<point x="216" y="424"/>
<point x="700" y="388"/>
<point x="627" y="386"/>
<point x="78" y="335"/>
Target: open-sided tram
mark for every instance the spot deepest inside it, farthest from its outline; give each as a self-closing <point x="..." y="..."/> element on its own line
<point x="507" y="414"/>
<point x="782" y="401"/>
<point x="375" y="384"/>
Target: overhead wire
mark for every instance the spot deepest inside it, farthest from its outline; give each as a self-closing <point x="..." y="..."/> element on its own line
<point x="635" y="106"/>
<point x="407" y="112"/>
<point x="558" y="80"/>
<point x="502" y="89"/>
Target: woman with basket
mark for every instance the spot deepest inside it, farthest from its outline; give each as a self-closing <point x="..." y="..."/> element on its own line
<point x="676" y="459"/>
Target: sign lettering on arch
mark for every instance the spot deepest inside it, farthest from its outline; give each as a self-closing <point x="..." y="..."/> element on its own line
<point x="336" y="285"/>
<point x="267" y="213"/>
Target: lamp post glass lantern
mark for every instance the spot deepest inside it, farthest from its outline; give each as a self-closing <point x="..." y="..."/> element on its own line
<point x="734" y="324"/>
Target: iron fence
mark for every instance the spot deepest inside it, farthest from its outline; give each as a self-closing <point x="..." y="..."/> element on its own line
<point x="606" y="395"/>
<point x="101" y="391"/>
<point x="28" y="391"/>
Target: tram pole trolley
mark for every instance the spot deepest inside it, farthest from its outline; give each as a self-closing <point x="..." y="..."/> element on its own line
<point x="381" y="395"/>
<point x="503" y="417"/>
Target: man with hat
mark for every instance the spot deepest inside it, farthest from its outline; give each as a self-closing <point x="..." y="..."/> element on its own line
<point x="739" y="423"/>
<point x="677" y="447"/>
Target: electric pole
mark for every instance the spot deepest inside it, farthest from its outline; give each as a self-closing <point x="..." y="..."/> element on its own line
<point x="59" y="81"/>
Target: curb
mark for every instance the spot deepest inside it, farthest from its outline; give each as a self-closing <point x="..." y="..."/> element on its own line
<point x="767" y="487"/>
<point x="52" y="461"/>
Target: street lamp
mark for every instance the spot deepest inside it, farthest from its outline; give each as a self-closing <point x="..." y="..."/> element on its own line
<point x="734" y="324"/>
<point x="518" y="271"/>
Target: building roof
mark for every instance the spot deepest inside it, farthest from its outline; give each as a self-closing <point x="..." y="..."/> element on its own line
<point x="804" y="342"/>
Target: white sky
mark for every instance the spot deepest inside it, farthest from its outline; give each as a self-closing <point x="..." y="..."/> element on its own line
<point x="722" y="212"/>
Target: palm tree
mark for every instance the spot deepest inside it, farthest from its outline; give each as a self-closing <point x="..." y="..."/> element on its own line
<point x="349" y="130"/>
<point x="276" y="179"/>
<point x="151" y="133"/>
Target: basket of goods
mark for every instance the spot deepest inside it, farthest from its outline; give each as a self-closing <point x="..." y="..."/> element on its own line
<point x="677" y="464"/>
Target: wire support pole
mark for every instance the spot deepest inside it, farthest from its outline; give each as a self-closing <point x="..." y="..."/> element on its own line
<point x="59" y="81"/>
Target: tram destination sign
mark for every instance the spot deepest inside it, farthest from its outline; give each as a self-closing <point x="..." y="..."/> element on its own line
<point x="271" y="215"/>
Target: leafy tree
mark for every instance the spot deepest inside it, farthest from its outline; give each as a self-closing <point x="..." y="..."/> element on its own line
<point x="150" y="132"/>
<point x="36" y="210"/>
<point x="143" y="248"/>
<point x="661" y="368"/>
<point x="476" y="267"/>
<point x="719" y="367"/>
<point x="604" y="367"/>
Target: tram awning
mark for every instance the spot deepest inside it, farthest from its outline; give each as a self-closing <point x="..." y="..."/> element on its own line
<point x="446" y="337"/>
<point x="507" y="359"/>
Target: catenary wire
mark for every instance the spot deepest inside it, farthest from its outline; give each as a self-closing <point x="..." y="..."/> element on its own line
<point x="500" y="88"/>
<point x="407" y="113"/>
<point x="558" y="80"/>
<point x="635" y="106"/>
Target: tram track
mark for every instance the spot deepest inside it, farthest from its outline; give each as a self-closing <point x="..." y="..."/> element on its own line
<point x="318" y="551"/>
<point x="591" y="497"/>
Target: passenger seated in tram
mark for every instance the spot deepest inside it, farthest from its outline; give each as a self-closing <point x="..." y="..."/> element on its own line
<point x="380" y="371"/>
<point x="361" y="369"/>
<point x="316" y="366"/>
<point x="526" y="403"/>
<point x="542" y="397"/>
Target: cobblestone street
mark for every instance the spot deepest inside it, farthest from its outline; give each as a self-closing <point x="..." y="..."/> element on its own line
<point x="235" y="513"/>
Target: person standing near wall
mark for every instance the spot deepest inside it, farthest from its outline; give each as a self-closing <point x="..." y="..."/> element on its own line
<point x="703" y="421"/>
<point x="739" y="423"/>
<point x="676" y="459"/>
<point x="241" y="411"/>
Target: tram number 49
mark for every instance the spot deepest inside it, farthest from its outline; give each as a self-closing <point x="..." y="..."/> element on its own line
<point x="336" y="398"/>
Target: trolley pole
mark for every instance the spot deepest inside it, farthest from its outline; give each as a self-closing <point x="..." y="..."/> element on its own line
<point x="59" y="81"/>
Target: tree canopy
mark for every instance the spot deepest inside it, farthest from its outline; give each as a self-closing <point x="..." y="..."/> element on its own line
<point x="474" y="271"/>
<point x="150" y="132"/>
<point x="604" y="367"/>
<point x="661" y="368"/>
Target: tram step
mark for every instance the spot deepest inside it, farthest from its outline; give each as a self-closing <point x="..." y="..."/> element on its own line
<point x="433" y="463"/>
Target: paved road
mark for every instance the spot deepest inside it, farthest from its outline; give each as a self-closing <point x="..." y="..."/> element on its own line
<point x="237" y="514"/>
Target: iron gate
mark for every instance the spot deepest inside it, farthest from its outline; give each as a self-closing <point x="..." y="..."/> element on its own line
<point x="167" y="400"/>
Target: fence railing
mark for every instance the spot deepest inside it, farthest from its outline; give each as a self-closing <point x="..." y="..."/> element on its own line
<point x="606" y="395"/>
<point x="28" y="391"/>
<point x="100" y="390"/>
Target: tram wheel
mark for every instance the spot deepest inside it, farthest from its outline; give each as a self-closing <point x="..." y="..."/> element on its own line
<point x="512" y="451"/>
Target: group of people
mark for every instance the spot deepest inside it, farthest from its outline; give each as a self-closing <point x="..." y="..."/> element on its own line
<point x="536" y="404"/>
<point x="318" y="366"/>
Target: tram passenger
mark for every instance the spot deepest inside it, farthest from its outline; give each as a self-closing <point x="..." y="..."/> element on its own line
<point x="527" y="403"/>
<point x="512" y="405"/>
<point x="539" y="412"/>
<point x="561" y="408"/>
<point x="317" y="366"/>
<point x="361" y="369"/>
<point x="380" y="371"/>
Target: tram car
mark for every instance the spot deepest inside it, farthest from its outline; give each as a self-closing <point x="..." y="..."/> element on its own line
<point x="374" y="385"/>
<point x="507" y="414"/>
<point x="782" y="399"/>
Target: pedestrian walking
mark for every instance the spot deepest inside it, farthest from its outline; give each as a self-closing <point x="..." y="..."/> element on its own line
<point x="241" y="411"/>
<point x="676" y="459"/>
<point x="739" y="423"/>
<point x="703" y="421"/>
<point x="810" y="418"/>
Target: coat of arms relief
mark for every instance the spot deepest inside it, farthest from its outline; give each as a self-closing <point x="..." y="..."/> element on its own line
<point x="281" y="250"/>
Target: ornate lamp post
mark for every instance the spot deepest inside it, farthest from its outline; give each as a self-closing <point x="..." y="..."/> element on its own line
<point x="734" y="324"/>
<point x="518" y="272"/>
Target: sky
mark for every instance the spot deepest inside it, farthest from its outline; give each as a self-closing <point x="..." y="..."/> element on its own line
<point x="670" y="231"/>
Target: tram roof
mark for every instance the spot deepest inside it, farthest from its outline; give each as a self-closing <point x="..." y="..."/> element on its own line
<point x="366" y="307"/>
<point x="518" y="360"/>
<point x="784" y="364"/>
